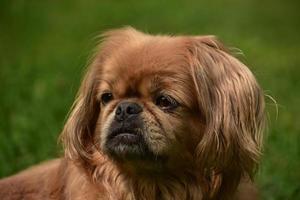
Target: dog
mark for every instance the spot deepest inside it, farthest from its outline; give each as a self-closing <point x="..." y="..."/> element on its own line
<point x="156" y="117"/>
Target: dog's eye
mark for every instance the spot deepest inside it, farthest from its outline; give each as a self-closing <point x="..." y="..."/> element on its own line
<point x="166" y="102"/>
<point x="106" y="97"/>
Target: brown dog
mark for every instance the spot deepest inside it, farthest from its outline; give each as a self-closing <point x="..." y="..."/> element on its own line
<point x="156" y="117"/>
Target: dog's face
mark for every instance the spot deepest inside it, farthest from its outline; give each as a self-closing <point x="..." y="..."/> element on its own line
<point x="183" y="102"/>
<point x="147" y="102"/>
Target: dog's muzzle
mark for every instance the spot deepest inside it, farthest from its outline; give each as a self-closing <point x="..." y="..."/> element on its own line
<point x="125" y="137"/>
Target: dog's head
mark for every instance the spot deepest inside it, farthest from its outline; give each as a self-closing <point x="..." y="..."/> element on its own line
<point x="168" y="103"/>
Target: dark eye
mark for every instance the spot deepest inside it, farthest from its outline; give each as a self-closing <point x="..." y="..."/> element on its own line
<point x="166" y="102"/>
<point x="106" y="97"/>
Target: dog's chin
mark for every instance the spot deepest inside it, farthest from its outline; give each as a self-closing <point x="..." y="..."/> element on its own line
<point x="128" y="146"/>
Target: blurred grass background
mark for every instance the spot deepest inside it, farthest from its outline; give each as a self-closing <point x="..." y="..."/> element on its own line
<point x="44" y="46"/>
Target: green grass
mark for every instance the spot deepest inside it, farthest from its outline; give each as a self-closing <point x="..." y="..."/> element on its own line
<point x="44" y="46"/>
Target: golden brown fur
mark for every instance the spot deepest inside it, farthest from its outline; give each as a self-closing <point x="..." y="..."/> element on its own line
<point x="208" y="147"/>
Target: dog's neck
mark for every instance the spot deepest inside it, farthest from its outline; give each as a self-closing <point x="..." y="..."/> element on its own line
<point x="127" y="185"/>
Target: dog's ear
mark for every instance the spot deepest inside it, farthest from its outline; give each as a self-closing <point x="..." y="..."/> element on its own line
<point x="232" y="104"/>
<point x="77" y="135"/>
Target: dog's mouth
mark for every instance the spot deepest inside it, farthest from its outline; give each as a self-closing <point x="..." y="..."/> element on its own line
<point x="126" y="143"/>
<point x="125" y="136"/>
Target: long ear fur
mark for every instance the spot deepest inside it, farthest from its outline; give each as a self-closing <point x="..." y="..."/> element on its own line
<point x="233" y="106"/>
<point x="77" y="135"/>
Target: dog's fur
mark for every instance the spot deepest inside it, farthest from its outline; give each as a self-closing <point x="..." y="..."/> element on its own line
<point x="206" y="147"/>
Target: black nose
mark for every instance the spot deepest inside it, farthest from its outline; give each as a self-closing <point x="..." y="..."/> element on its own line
<point x="126" y="110"/>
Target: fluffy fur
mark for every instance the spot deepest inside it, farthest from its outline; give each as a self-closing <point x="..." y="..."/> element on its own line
<point x="207" y="147"/>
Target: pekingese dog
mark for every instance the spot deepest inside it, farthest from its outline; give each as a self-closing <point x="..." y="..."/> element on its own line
<point x="156" y="117"/>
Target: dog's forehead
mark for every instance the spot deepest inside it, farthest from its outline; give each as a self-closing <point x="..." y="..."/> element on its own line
<point x="140" y="67"/>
